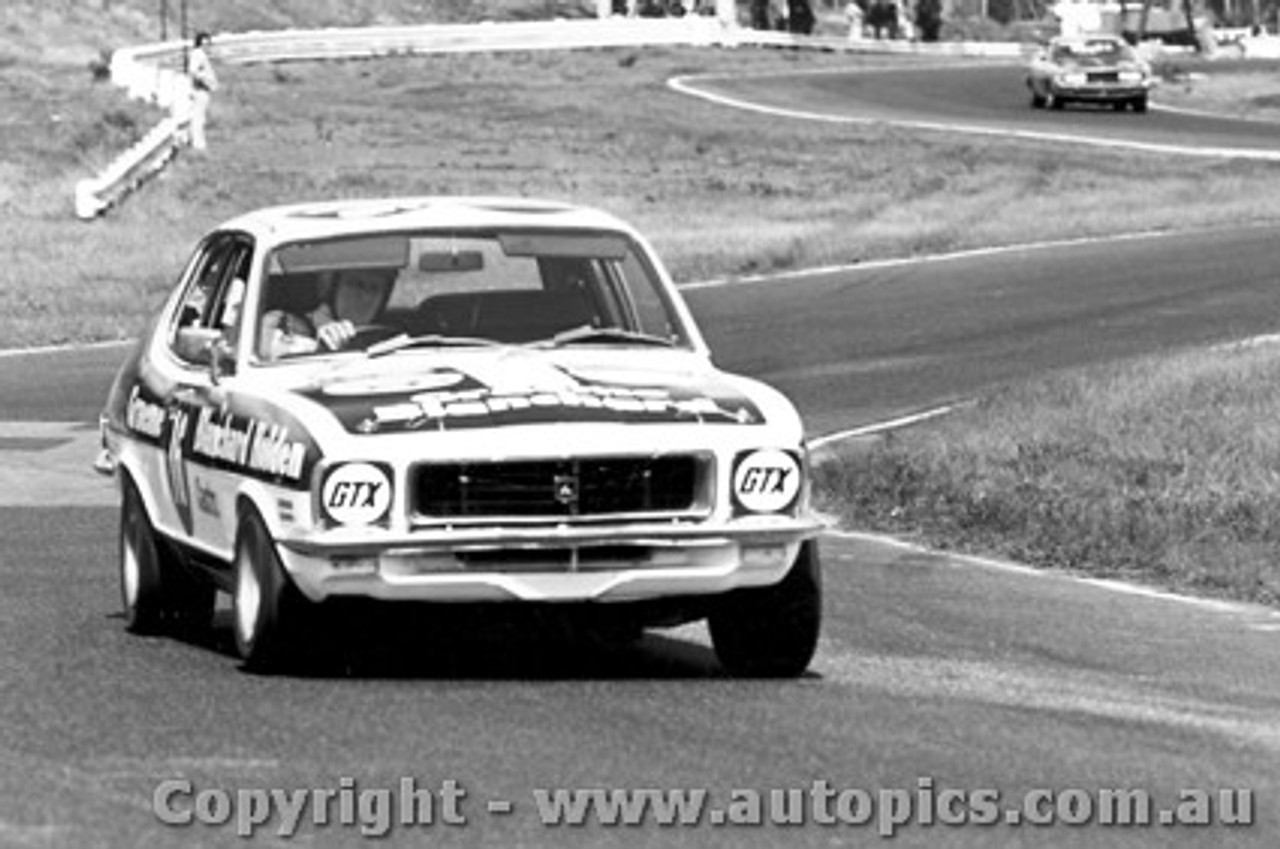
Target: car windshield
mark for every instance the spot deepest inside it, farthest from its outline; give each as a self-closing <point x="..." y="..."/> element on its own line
<point x="386" y="293"/>
<point x="1102" y="51"/>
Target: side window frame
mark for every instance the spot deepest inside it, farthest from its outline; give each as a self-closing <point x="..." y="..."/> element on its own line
<point x="641" y="314"/>
<point x="231" y="292"/>
<point x="220" y="259"/>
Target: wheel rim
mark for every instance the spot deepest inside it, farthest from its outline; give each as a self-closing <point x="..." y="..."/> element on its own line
<point x="129" y="569"/>
<point x="248" y="599"/>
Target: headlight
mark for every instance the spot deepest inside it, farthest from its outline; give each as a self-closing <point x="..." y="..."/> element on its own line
<point x="1132" y="76"/>
<point x="767" y="481"/>
<point x="356" y="494"/>
<point x="1072" y="79"/>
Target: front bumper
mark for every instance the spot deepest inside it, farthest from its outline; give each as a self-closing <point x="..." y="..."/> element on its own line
<point x="1099" y="93"/>
<point x="561" y="563"/>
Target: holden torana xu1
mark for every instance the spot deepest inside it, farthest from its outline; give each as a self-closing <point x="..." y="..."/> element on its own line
<point x="452" y="400"/>
<point x="1099" y="68"/>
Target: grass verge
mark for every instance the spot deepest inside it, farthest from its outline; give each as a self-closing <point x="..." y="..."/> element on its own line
<point x="1232" y="87"/>
<point x="1161" y="470"/>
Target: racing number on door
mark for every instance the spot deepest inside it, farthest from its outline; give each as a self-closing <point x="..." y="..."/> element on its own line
<point x="176" y="465"/>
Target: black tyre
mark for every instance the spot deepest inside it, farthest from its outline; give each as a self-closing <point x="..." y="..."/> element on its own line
<point x="772" y="632"/>
<point x="1055" y="102"/>
<point x="157" y="591"/>
<point x="267" y="609"/>
<point x="1140" y="104"/>
<point x="1037" y="99"/>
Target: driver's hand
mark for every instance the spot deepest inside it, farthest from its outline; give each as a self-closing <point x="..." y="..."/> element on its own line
<point x="335" y="334"/>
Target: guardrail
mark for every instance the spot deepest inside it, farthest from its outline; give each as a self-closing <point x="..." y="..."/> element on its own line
<point x="1247" y="44"/>
<point x="983" y="49"/>
<point x="154" y="72"/>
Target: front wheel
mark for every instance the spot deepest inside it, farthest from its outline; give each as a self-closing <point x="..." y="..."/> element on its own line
<point x="266" y="607"/>
<point x="771" y="632"/>
<point x="157" y="592"/>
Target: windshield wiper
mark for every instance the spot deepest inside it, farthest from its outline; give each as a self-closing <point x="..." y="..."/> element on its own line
<point x="428" y="340"/>
<point x="603" y="336"/>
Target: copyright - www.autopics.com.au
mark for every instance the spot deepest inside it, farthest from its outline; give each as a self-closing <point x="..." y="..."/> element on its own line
<point x="412" y="803"/>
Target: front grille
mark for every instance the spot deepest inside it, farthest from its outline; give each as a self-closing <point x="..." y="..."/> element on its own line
<point x="594" y="487"/>
<point x="1104" y="77"/>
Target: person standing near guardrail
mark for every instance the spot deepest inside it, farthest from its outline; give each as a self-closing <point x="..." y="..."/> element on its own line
<point x="204" y="82"/>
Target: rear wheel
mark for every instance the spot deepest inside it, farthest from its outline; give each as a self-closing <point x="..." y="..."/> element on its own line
<point x="772" y="632"/>
<point x="267" y="608"/>
<point x="157" y="591"/>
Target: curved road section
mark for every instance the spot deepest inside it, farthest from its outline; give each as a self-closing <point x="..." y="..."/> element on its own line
<point x="984" y="100"/>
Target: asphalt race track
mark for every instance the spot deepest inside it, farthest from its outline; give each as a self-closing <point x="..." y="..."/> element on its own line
<point x="987" y="99"/>
<point x="935" y="675"/>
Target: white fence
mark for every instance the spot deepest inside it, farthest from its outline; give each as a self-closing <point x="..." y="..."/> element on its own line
<point x="154" y="72"/>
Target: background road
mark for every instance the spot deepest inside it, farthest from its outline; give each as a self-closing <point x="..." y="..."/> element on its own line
<point x="855" y="347"/>
<point x="990" y="98"/>
<point x="932" y="673"/>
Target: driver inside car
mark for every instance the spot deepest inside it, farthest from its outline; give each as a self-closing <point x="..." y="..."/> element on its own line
<point x="349" y="300"/>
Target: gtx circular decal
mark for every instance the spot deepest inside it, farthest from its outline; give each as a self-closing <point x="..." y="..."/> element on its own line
<point x="766" y="481"/>
<point x="356" y="494"/>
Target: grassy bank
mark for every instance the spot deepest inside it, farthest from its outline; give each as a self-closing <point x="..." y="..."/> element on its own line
<point x="1164" y="470"/>
<point x="1232" y="87"/>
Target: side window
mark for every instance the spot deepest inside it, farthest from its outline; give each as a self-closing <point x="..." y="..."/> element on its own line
<point x="647" y="309"/>
<point x="228" y="302"/>
<point x="215" y="291"/>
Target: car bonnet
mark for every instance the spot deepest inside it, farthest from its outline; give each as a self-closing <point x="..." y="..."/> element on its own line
<point x="503" y="387"/>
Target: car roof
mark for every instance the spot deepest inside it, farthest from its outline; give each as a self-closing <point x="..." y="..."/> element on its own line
<point x="325" y="219"/>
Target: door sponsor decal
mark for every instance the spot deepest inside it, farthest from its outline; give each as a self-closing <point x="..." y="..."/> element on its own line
<point x="246" y="443"/>
<point x="144" y="417"/>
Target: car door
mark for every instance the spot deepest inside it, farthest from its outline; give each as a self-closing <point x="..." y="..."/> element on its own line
<point x="202" y="444"/>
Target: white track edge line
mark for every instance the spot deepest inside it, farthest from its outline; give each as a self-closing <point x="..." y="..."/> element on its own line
<point x="684" y="86"/>
<point x="1108" y="584"/>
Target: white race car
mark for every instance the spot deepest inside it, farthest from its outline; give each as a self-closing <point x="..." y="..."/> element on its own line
<point x="1100" y="68"/>
<point x="479" y="400"/>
